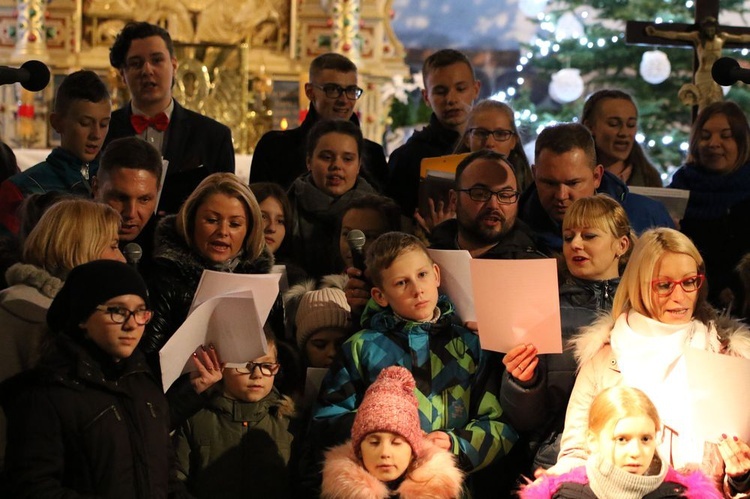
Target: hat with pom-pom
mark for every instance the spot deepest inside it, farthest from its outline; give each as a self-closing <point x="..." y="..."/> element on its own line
<point x="390" y="405"/>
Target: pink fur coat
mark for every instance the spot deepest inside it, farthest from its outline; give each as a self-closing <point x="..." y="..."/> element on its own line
<point x="697" y="485"/>
<point x="433" y="476"/>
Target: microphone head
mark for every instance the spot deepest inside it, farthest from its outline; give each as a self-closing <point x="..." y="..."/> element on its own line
<point x="132" y="252"/>
<point x="722" y="69"/>
<point x="38" y="76"/>
<point x="356" y="239"/>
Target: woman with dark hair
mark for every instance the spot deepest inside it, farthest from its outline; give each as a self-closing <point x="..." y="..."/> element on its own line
<point x="612" y="118"/>
<point x="717" y="174"/>
<point x="320" y="196"/>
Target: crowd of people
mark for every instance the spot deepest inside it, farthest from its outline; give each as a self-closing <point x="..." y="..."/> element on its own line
<point x="103" y="246"/>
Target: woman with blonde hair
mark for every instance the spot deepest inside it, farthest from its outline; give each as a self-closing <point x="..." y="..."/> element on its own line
<point x="659" y="311"/>
<point x="70" y="233"/>
<point x="597" y="240"/>
<point x="219" y="227"/>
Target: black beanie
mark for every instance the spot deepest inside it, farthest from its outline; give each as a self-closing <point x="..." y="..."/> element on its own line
<point x="90" y="285"/>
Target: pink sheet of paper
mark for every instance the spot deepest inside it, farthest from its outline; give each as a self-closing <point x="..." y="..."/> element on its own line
<point x="516" y="301"/>
<point x="718" y="387"/>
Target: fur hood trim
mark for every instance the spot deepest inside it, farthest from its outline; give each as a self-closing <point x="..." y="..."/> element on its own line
<point x="334" y="281"/>
<point x="734" y="337"/>
<point x="35" y="277"/>
<point x="171" y="247"/>
<point x="697" y="485"/>
<point x="592" y="338"/>
<point x="433" y="476"/>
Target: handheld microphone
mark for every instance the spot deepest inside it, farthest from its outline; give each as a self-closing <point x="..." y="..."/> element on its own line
<point x="726" y="71"/>
<point x="32" y="75"/>
<point x="356" y="240"/>
<point x="133" y="253"/>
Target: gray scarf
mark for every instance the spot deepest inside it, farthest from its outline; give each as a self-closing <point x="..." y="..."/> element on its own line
<point x="610" y="482"/>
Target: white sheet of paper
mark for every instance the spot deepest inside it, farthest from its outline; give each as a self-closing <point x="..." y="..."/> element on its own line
<point x="265" y="288"/>
<point x="164" y="168"/>
<point x="674" y="200"/>
<point x="230" y="322"/>
<point x="516" y="302"/>
<point x="455" y="280"/>
<point x="313" y="380"/>
<point x="717" y="387"/>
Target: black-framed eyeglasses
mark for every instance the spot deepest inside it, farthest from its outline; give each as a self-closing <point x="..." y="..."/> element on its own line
<point x="500" y="135"/>
<point x="482" y="194"/>
<point x="121" y="315"/>
<point x="266" y="368"/>
<point x="334" y="91"/>
<point x="665" y="287"/>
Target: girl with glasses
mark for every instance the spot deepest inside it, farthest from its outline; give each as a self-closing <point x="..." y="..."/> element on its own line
<point x="659" y="311"/>
<point x="91" y="419"/>
<point x="240" y="444"/>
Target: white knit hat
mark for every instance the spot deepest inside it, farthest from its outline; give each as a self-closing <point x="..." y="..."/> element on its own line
<point x="321" y="308"/>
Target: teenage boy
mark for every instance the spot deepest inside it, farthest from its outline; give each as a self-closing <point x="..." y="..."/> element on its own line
<point x="450" y="90"/>
<point x="195" y="145"/>
<point x="332" y="90"/>
<point x="81" y="115"/>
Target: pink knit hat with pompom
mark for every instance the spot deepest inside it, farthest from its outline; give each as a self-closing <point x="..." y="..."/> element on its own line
<point x="390" y="405"/>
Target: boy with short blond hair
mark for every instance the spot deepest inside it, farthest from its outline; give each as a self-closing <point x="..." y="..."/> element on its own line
<point x="407" y="323"/>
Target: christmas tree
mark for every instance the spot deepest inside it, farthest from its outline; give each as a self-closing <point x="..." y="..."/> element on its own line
<point x="589" y="37"/>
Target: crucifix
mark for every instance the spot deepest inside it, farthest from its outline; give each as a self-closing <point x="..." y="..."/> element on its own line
<point x="707" y="38"/>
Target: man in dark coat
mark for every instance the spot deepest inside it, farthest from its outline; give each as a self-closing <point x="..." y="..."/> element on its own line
<point x="194" y="145"/>
<point x="450" y="90"/>
<point x="280" y="155"/>
<point x="487" y="228"/>
<point x="128" y="180"/>
<point x="565" y="169"/>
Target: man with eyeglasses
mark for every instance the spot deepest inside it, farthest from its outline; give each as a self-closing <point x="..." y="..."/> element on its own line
<point x="485" y="198"/>
<point x="333" y="91"/>
<point x="450" y="90"/>
<point x="194" y="145"/>
<point x="565" y="169"/>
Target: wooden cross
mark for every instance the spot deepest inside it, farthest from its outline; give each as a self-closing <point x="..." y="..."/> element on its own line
<point x="703" y="90"/>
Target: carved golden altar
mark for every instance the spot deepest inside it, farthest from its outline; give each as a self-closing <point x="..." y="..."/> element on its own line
<point x="234" y="55"/>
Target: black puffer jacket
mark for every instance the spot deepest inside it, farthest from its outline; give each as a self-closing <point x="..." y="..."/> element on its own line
<point x="537" y="408"/>
<point x="404" y="164"/>
<point x="81" y="425"/>
<point x="518" y="244"/>
<point x="176" y="272"/>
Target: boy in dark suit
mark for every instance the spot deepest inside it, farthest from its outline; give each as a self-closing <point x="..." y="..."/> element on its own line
<point x="194" y="145"/>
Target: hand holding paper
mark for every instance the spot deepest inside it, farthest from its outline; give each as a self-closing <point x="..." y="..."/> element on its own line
<point x="229" y="311"/>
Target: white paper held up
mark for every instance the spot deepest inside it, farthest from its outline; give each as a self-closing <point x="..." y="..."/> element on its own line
<point x="516" y="302"/>
<point x="455" y="280"/>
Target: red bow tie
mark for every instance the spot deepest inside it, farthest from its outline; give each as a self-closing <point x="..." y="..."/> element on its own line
<point x="140" y="122"/>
